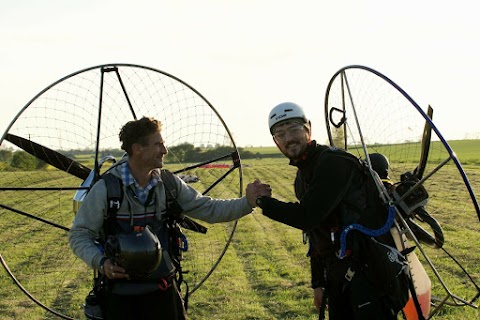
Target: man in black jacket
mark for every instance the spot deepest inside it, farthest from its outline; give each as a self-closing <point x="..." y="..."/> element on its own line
<point x="329" y="186"/>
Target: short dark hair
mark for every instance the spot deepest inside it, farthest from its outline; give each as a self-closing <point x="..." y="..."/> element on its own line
<point x="137" y="131"/>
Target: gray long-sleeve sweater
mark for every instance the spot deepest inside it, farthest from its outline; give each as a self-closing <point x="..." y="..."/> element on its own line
<point x="88" y="223"/>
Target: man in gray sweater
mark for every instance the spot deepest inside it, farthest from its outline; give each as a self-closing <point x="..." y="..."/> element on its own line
<point x="142" y="213"/>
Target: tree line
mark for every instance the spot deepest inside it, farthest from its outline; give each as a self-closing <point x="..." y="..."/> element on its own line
<point x="20" y="160"/>
<point x="185" y="152"/>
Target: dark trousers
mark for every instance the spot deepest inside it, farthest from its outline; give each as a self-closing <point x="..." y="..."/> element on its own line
<point x="159" y="305"/>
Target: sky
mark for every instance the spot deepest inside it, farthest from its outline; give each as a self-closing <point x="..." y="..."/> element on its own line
<point x="247" y="56"/>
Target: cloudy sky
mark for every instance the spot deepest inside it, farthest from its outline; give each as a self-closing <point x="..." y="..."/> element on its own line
<point x="247" y="56"/>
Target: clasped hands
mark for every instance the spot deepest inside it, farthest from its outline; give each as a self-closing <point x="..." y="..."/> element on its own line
<point x="257" y="189"/>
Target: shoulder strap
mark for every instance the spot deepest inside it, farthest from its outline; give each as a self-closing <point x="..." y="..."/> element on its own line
<point x="169" y="181"/>
<point x="171" y="192"/>
<point x="344" y="154"/>
<point x="114" y="200"/>
<point x="174" y="209"/>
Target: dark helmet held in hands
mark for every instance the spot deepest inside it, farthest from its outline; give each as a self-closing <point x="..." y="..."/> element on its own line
<point x="138" y="252"/>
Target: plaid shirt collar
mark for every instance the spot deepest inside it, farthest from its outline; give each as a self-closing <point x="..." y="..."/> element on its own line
<point x="128" y="180"/>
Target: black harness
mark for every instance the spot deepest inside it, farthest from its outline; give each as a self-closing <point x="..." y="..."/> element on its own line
<point x="173" y="220"/>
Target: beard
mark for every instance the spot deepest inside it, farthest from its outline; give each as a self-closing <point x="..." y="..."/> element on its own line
<point x="154" y="163"/>
<point x="294" y="150"/>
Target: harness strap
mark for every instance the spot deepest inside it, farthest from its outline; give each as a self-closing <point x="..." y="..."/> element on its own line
<point x="114" y="200"/>
<point x="178" y="241"/>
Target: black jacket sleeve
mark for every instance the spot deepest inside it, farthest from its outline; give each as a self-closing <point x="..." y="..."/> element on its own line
<point x="329" y="184"/>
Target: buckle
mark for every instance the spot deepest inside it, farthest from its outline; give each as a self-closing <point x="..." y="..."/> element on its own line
<point x="349" y="274"/>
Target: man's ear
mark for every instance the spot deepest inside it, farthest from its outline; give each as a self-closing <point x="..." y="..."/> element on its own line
<point x="136" y="148"/>
<point x="275" y="142"/>
<point x="308" y="126"/>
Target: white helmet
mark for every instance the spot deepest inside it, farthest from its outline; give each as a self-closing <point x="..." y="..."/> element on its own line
<point x="285" y="111"/>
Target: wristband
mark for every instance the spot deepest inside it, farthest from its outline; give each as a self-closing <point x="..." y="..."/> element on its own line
<point x="259" y="202"/>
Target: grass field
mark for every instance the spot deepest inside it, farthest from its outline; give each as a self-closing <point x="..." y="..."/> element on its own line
<point x="264" y="273"/>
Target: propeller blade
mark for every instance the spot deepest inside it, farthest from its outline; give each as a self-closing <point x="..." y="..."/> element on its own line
<point x="50" y="156"/>
<point x="423" y="215"/>
<point x="435" y="241"/>
<point x="426" y="138"/>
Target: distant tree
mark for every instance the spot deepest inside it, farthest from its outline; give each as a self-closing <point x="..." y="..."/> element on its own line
<point x="117" y="153"/>
<point x="23" y="160"/>
<point x="187" y="152"/>
<point x="6" y="155"/>
<point x="180" y="152"/>
<point x="244" y="154"/>
<point x="41" y="164"/>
